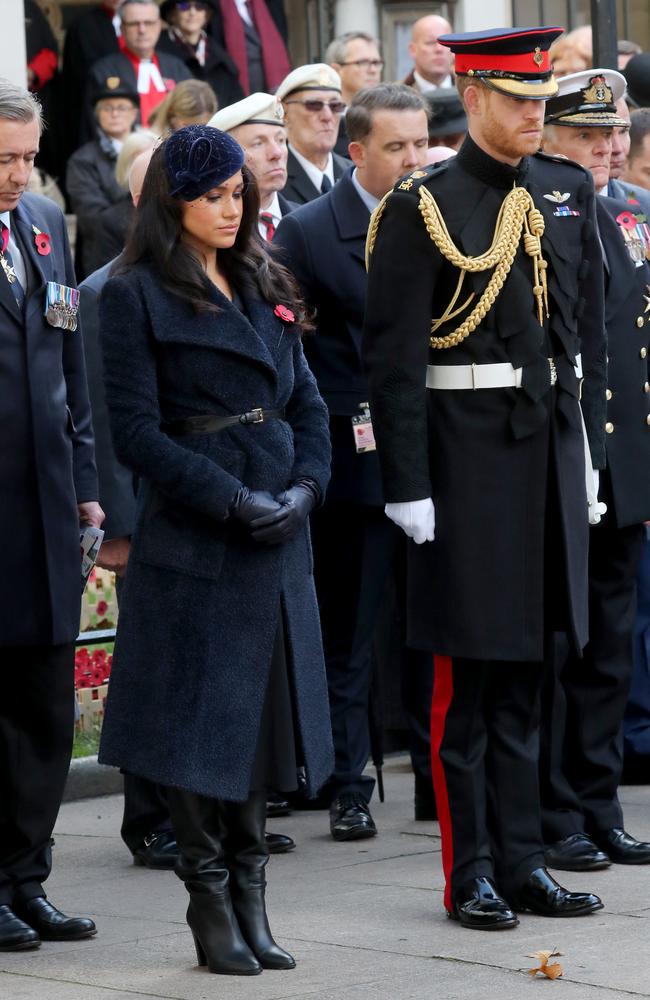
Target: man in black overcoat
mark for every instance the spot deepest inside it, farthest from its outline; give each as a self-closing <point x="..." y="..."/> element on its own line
<point x="355" y="545"/>
<point x="476" y="339"/>
<point x="584" y="703"/>
<point x="311" y="97"/>
<point x="48" y="488"/>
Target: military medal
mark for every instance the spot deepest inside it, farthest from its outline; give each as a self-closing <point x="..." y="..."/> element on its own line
<point x="61" y="306"/>
<point x="10" y="274"/>
<point x="636" y="236"/>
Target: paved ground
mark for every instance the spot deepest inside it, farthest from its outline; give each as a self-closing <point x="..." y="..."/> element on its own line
<point x="365" y="921"/>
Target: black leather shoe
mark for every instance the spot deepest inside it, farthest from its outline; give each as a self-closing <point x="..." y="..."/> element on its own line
<point x="576" y="853"/>
<point x="350" y="818"/>
<point x="622" y="848"/>
<point x="15" y="934"/>
<point x="479" y="906"/>
<point x="279" y="843"/>
<point x="157" y="850"/>
<point x="424" y="800"/>
<point x="277" y="805"/>
<point x="542" y="895"/>
<point x="52" y="925"/>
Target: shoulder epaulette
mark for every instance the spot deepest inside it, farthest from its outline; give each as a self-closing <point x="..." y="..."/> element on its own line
<point x="412" y="181"/>
<point x="560" y="158"/>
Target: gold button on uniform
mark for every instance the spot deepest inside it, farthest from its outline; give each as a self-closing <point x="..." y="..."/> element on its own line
<point x="609" y="427"/>
<point x="608" y="393"/>
<point x="640" y="321"/>
<point x="643" y="352"/>
<point x="647" y="419"/>
<point x="646" y="387"/>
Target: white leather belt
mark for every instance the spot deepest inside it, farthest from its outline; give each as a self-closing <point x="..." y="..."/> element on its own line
<point x="497" y="376"/>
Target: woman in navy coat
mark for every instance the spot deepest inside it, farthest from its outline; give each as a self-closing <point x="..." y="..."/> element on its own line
<point x="218" y="686"/>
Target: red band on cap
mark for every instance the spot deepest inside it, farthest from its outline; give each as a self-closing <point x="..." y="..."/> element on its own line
<point x="528" y="62"/>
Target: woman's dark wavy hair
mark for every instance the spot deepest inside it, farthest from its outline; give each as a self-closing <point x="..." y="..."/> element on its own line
<point x="156" y="238"/>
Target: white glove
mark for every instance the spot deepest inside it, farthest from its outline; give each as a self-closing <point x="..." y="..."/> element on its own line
<point x="596" y="508"/>
<point x="416" y="517"/>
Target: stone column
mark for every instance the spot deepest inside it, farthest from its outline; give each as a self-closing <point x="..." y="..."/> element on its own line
<point x="356" y="15"/>
<point x="13" y="58"/>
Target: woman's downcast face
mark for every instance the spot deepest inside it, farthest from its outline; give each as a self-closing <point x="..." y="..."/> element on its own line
<point x="212" y="221"/>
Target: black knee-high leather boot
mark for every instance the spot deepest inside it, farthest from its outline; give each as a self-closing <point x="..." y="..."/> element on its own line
<point x="217" y="936"/>
<point x="246" y="857"/>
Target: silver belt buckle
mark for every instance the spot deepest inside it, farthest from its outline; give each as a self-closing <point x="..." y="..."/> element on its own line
<point x="255" y="416"/>
<point x="553" y="370"/>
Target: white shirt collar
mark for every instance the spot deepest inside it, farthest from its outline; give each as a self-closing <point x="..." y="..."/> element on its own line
<point x="315" y="175"/>
<point x="426" y="86"/>
<point x="244" y="12"/>
<point x="368" y="199"/>
<point x="6" y="218"/>
<point x="274" y="209"/>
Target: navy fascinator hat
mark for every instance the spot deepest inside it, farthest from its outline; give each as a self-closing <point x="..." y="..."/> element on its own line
<point x="199" y="158"/>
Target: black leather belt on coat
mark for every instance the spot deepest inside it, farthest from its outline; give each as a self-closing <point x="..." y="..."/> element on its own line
<point x="209" y="423"/>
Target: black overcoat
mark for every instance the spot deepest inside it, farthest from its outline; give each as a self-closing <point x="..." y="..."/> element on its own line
<point x="218" y="70"/>
<point x="477" y="590"/>
<point x="299" y="187"/>
<point x="46" y="445"/>
<point x="323" y="244"/>
<point x="627" y="319"/>
<point x="201" y="600"/>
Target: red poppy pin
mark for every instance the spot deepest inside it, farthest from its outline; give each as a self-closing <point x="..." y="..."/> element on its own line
<point x="627" y="220"/>
<point x="285" y="314"/>
<point x="41" y="242"/>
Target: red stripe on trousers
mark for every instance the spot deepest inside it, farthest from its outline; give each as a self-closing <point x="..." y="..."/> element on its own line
<point x="443" y="690"/>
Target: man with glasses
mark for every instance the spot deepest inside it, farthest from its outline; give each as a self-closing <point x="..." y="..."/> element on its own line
<point x="311" y="97"/>
<point x="355" y="57"/>
<point x="149" y="73"/>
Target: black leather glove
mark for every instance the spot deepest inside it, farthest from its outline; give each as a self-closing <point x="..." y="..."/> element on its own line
<point x="249" y="505"/>
<point x="296" y="504"/>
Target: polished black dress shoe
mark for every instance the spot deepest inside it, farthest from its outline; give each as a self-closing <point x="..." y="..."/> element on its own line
<point x="157" y="850"/>
<point x="52" y="925"/>
<point x="542" y="895"/>
<point x="622" y="848"/>
<point x="15" y="934"/>
<point x="277" y="805"/>
<point x="576" y="853"/>
<point x="479" y="906"/>
<point x="350" y="818"/>
<point x="424" y="800"/>
<point x="278" y="843"/>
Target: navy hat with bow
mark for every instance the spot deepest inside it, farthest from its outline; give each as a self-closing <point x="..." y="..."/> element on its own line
<point x="199" y="158"/>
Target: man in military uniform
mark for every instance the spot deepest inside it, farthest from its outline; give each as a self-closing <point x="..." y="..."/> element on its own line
<point x="475" y="324"/>
<point x="585" y="697"/>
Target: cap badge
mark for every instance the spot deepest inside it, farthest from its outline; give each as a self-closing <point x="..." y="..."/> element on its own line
<point x="598" y="92"/>
<point x="558" y="197"/>
<point x="538" y="58"/>
<point x="277" y="111"/>
<point x="112" y="82"/>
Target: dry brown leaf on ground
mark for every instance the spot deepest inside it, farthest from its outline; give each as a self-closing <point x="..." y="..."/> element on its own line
<point x="553" y="970"/>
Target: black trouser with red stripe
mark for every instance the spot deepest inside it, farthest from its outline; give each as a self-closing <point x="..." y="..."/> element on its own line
<point x="484" y="754"/>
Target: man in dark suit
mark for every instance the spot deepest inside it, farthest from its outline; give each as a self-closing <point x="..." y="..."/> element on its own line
<point x="48" y="488"/>
<point x="585" y="697"/>
<point x="257" y="123"/>
<point x="433" y="63"/>
<point x="475" y="399"/>
<point x="311" y="97"/>
<point x="354" y="544"/>
<point x="137" y="66"/>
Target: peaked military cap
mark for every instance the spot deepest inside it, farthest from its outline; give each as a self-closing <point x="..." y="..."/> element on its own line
<point x="256" y="109"/>
<point x="587" y="98"/>
<point x="514" y="61"/>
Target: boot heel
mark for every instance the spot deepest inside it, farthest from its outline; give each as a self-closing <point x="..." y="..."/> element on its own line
<point x="200" y="953"/>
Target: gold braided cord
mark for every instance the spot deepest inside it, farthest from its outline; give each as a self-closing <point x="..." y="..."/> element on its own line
<point x="517" y="213"/>
<point x="373" y="226"/>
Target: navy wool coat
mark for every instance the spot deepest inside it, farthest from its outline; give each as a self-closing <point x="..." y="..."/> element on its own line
<point x="201" y="599"/>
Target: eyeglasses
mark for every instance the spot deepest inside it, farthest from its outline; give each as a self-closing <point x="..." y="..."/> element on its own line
<point x="116" y="109"/>
<point x="185" y="5"/>
<point x="336" y="107"/>
<point x="365" y="63"/>
<point x="140" y="24"/>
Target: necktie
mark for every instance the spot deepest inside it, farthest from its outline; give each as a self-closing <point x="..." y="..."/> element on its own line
<point x="325" y="184"/>
<point x="267" y="221"/>
<point x="7" y="264"/>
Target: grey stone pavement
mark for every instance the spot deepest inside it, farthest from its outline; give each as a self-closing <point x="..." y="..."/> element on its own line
<point x="365" y="921"/>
